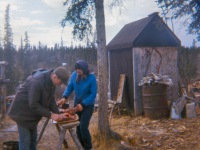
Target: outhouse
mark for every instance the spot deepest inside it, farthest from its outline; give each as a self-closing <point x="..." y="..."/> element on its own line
<point x="140" y="48"/>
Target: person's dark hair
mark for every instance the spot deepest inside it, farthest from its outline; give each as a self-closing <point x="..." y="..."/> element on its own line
<point x="62" y="73"/>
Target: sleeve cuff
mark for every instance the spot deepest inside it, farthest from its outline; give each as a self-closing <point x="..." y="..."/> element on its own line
<point x="65" y="97"/>
<point x="49" y="114"/>
<point x="83" y="105"/>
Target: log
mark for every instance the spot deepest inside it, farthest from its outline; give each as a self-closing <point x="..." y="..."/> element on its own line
<point x="42" y="130"/>
<point x="65" y="141"/>
<point x="76" y="140"/>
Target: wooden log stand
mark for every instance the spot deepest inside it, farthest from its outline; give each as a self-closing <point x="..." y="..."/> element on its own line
<point x="62" y="127"/>
<point x="70" y="126"/>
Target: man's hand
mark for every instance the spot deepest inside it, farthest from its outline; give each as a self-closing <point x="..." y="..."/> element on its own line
<point x="79" y="107"/>
<point x="56" y="117"/>
<point x="71" y="111"/>
<point x="61" y="101"/>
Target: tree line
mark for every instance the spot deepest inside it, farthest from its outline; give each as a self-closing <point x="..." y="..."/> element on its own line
<point x="22" y="61"/>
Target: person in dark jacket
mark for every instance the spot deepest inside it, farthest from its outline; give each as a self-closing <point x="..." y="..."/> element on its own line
<point x="34" y="100"/>
<point x="85" y="88"/>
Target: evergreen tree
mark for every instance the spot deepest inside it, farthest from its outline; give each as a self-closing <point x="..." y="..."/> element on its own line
<point x="21" y="44"/>
<point x="194" y="42"/>
<point x="61" y="42"/>
<point x="39" y="45"/>
<point x="9" y="52"/>
<point x="27" y="42"/>
<point x="1" y="54"/>
<point x="20" y="62"/>
<point x="8" y="38"/>
<point x="0" y="39"/>
<point x="1" y="51"/>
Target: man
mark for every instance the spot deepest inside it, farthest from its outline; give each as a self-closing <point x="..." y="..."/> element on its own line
<point x="84" y="86"/>
<point x="34" y="100"/>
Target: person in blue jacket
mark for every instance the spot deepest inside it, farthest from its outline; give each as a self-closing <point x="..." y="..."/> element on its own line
<point x="84" y="86"/>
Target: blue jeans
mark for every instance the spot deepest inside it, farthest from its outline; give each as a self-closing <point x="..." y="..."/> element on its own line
<point x="27" y="138"/>
<point x="82" y="130"/>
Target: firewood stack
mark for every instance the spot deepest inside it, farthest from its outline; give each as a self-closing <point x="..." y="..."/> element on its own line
<point x="195" y="89"/>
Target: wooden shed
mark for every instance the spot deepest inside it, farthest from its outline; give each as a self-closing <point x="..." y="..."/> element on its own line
<point x="140" y="48"/>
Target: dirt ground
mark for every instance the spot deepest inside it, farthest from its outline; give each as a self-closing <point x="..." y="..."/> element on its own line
<point x="139" y="133"/>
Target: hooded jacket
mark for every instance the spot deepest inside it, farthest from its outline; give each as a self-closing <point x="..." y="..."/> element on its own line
<point x="85" y="89"/>
<point x="34" y="100"/>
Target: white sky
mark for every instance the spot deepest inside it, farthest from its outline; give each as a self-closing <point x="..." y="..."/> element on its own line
<point x="41" y="18"/>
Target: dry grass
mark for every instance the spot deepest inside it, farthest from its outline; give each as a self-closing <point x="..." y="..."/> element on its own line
<point x="100" y="143"/>
<point x="138" y="133"/>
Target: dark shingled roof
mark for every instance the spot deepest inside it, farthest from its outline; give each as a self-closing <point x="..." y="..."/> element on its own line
<point x="130" y="32"/>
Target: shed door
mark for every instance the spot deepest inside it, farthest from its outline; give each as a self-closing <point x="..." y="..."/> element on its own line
<point x="121" y="63"/>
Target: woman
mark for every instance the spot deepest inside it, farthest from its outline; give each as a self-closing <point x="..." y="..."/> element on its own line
<point x="85" y="88"/>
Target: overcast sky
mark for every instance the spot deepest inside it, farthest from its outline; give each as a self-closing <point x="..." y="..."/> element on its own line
<point x="41" y="18"/>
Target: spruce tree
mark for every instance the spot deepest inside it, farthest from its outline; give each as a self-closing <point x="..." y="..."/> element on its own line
<point x="9" y="52"/>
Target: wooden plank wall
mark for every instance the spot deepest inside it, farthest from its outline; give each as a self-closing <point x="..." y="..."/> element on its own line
<point x="148" y="60"/>
<point x="198" y="67"/>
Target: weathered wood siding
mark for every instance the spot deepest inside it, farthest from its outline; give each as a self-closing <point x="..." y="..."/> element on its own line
<point x="198" y="66"/>
<point x="146" y="60"/>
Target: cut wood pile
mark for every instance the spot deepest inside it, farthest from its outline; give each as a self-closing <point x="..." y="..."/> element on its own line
<point x="195" y="89"/>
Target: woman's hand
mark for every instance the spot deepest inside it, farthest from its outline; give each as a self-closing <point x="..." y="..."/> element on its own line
<point x="72" y="111"/>
<point x="79" y="107"/>
<point x="66" y="115"/>
<point x="61" y="101"/>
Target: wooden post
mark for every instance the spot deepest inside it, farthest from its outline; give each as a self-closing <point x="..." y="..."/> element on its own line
<point x="3" y="102"/>
<point x="64" y="142"/>
<point x="42" y="130"/>
<point x="2" y="90"/>
<point x="62" y="137"/>
<point x="69" y="126"/>
<point x="76" y="140"/>
<point x="189" y="90"/>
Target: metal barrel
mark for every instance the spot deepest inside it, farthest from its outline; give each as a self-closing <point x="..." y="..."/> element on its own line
<point x="155" y="101"/>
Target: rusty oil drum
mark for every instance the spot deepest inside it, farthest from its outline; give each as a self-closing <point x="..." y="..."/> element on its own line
<point x="155" y="101"/>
